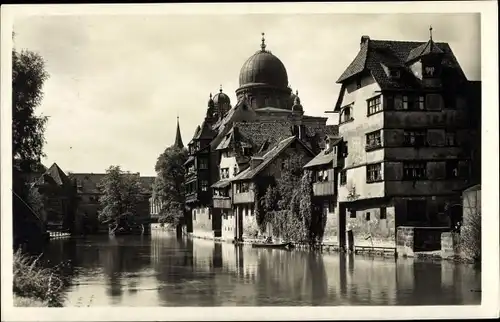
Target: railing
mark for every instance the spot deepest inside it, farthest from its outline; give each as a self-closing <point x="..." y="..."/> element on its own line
<point x="326" y="188"/>
<point x="244" y="197"/>
<point x="222" y="202"/>
<point x="192" y="197"/>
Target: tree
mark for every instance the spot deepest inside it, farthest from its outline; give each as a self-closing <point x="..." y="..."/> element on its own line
<point x="168" y="187"/>
<point x="121" y="194"/>
<point x="28" y="77"/>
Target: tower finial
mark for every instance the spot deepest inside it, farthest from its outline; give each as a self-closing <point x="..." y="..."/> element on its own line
<point x="210" y="95"/>
<point x="263" y="44"/>
<point x="220" y="89"/>
<point x="430" y="32"/>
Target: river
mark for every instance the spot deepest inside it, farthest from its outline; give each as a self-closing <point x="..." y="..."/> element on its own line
<point x="162" y="270"/>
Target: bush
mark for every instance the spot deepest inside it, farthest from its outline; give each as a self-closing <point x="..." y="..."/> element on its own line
<point x="33" y="281"/>
<point x="471" y="238"/>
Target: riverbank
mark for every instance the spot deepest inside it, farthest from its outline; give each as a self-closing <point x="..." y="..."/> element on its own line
<point x="385" y="251"/>
<point x="35" y="285"/>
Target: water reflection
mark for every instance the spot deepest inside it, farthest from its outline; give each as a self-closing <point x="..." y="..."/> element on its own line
<point x="163" y="270"/>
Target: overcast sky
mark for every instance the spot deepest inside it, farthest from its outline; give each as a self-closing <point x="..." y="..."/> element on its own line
<point x="117" y="83"/>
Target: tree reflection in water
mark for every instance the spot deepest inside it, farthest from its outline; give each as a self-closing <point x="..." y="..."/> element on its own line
<point x="163" y="270"/>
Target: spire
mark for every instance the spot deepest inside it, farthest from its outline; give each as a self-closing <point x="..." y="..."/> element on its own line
<point x="263" y="44"/>
<point x="220" y="89"/>
<point x="178" y="139"/>
<point x="297" y="98"/>
<point x="430" y="32"/>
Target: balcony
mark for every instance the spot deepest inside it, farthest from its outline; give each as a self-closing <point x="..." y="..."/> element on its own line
<point x="244" y="197"/>
<point x="326" y="188"/>
<point x="191" y="197"/>
<point x="222" y="202"/>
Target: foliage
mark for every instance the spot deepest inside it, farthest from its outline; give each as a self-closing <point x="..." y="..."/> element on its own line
<point x="471" y="230"/>
<point x="33" y="281"/>
<point x="121" y="193"/>
<point x="168" y="187"/>
<point x="286" y="207"/>
<point x="28" y="77"/>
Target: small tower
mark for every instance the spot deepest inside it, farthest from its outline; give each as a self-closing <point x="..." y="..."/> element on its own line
<point x="297" y="107"/>
<point x="178" y="138"/>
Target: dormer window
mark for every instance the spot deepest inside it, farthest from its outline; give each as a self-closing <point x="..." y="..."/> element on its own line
<point x="345" y="115"/>
<point x="394" y="73"/>
<point x="429" y="71"/>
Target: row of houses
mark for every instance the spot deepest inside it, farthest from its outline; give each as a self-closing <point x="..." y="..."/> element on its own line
<point x="403" y="142"/>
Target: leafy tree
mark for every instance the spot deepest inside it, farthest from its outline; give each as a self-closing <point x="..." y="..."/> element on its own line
<point x="28" y="77"/>
<point x="168" y="187"/>
<point x="121" y="194"/>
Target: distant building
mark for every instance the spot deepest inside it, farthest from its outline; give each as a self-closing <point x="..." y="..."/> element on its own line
<point x="89" y="193"/>
<point x="58" y="195"/>
<point x="410" y="127"/>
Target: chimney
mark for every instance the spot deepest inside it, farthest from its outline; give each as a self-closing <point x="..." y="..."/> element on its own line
<point x="364" y="40"/>
<point x="255" y="161"/>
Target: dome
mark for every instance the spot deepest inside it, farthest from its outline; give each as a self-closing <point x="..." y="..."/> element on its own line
<point x="264" y="68"/>
<point x="221" y="98"/>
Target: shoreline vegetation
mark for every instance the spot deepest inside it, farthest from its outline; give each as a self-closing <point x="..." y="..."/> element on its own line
<point x="35" y="285"/>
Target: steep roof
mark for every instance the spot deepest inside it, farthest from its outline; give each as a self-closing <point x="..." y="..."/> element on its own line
<point x="324" y="157"/>
<point x="373" y="54"/>
<point x="178" y="138"/>
<point x="267" y="158"/>
<point x="55" y="175"/>
<point x="205" y="133"/>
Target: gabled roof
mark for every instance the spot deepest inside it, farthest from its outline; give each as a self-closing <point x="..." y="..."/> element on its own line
<point x="326" y="156"/>
<point x="89" y="182"/>
<point x="269" y="157"/>
<point x="205" y="133"/>
<point x="374" y="53"/>
<point x="233" y="138"/>
<point x="428" y="48"/>
<point x="54" y="175"/>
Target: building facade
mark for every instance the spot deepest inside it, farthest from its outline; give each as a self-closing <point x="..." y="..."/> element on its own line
<point x="408" y="143"/>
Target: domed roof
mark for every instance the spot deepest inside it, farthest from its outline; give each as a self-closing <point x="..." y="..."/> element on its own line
<point x="264" y="68"/>
<point x="221" y="98"/>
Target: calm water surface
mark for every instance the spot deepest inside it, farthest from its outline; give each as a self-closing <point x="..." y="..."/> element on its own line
<point x="161" y="270"/>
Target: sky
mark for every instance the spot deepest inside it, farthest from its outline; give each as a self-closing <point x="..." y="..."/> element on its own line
<point x="117" y="83"/>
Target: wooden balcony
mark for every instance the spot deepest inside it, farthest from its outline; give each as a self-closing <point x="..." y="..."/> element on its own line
<point x="222" y="202"/>
<point x="244" y="197"/>
<point x="326" y="188"/>
<point x="191" y="197"/>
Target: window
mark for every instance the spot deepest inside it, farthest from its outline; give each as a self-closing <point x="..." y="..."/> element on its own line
<point x="204" y="185"/>
<point x="451" y="169"/>
<point x="235" y="170"/>
<point x="352" y="213"/>
<point x="343" y="177"/>
<point x="421" y="102"/>
<point x="367" y="216"/>
<point x="394" y="73"/>
<point x="203" y="163"/>
<point x="224" y="173"/>
<point x="383" y="213"/>
<point x="413" y="170"/>
<point x="345" y="150"/>
<point x="415" y="138"/>
<point x="450" y="138"/>
<point x="194" y="215"/>
<point x="358" y="83"/>
<point x="405" y="102"/>
<point x="345" y="115"/>
<point x="389" y="102"/>
<point x="373" y="172"/>
<point x="429" y="71"/>
<point x="373" y="140"/>
<point x="374" y="105"/>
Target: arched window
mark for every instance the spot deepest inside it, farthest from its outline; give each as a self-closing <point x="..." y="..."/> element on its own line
<point x="346" y="114"/>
